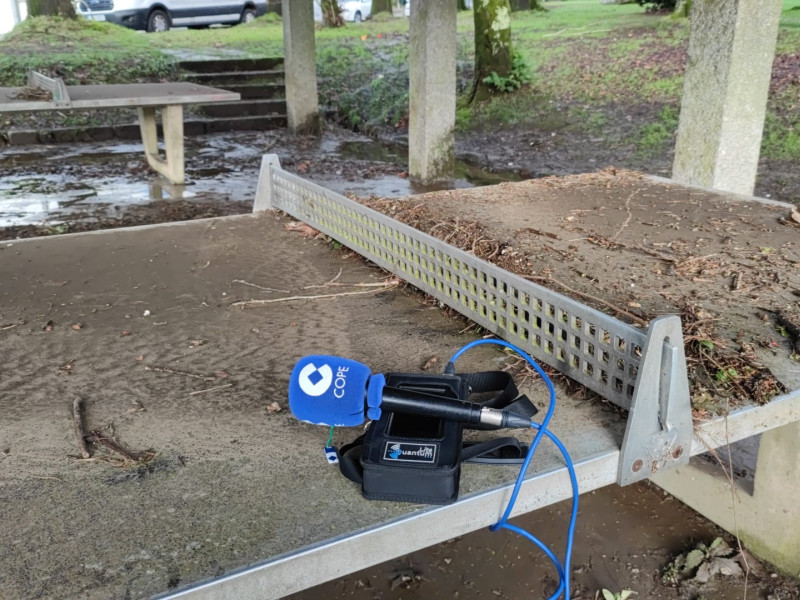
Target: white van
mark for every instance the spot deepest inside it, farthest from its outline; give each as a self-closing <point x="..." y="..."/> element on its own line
<point x="160" y="15"/>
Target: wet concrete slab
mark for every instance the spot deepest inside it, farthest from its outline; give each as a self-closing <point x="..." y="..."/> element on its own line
<point x="142" y="324"/>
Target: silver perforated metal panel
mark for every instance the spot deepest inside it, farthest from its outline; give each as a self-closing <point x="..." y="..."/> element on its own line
<point x="597" y="350"/>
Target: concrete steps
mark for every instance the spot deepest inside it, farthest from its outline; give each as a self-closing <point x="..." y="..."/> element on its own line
<point x="262" y="107"/>
<point x="253" y="91"/>
<point x="225" y="78"/>
<point x="260" y="82"/>
<point x="246" y="108"/>
<point x="236" y="64"/>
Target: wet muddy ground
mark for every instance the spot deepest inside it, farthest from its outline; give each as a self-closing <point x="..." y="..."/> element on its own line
<point x="66" y="188"/>
<point x="626" y="537"/>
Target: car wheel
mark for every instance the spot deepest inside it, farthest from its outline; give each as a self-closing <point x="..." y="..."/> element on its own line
<point x="248" y="15"/>
<point x="158" y="21"/>
<point x="357" y="18"/>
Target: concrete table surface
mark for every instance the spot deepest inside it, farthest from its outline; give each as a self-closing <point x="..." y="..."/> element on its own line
<point x="142" y="324"/>
<point x="233" y="484"/>
<point x="121" y="95"/>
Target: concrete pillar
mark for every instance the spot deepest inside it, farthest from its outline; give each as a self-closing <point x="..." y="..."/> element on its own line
<point x="15" y="12"/>
<point x="731" y="49"/>
<point x="265" y="189"/>
<point x="299" y="59"/>
<point x="768" y="522"/>
<point x="432" y="90"/>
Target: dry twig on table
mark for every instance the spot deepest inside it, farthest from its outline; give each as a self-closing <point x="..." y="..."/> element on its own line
<point x="245" y="303"/>
<point x="97" y="437"/>
<point x="176" y="372"/>
<point x="80" y="433"/>
<point x="211" y="389"/>
<point x="260" y="287"/>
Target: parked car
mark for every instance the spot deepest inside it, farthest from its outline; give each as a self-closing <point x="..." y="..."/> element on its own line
<point x="355" y="10"/>
<point x="161" y="15"/>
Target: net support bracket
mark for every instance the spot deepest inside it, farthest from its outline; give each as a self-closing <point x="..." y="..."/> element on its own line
<point x="55" y="85"/>
<point x="658" y="434"/>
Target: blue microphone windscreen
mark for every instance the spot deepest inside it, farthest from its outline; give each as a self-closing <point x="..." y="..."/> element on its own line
<point x="375" y="396"/>
<point x="328" y="390"/>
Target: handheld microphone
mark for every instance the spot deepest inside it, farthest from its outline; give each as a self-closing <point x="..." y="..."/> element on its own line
<point x="329" y="390"/>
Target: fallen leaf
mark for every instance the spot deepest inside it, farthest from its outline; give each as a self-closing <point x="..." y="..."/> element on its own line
<point x="66" y="368"/>
<point x="196" y="343"/>
<point x="718" y="566"/>
<point x="302" y="229"/>
<point x="77" y="326"/>
<point x="125" y="332"/>
<point x="140" y="357"/>
<point x="48" y="326"/>
<point x="430" y="362"/>
<point x="222" y="374"/>
<point x="796" y="216"/>
<point x="274" y="407"/>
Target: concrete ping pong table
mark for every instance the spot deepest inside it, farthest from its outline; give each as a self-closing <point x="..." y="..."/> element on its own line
<point x="145" y="97"/>
<point x="188" y="332"/>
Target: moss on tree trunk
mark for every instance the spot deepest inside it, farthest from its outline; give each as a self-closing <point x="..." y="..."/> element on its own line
<point x="381" y="6"/>
<point x="51" y="8"/>
<point x="493" y="52"/>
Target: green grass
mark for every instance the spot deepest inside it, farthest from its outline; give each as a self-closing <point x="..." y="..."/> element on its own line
<point x="781" y="137"/>
<point x="654" y="138"/>
<point x="80" y="51"/>
<point x="588" y="58"/>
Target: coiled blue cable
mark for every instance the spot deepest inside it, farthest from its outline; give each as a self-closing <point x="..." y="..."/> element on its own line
<point x="562" y="569"/>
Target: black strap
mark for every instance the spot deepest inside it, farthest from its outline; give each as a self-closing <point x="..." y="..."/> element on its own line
<point x="350" y="459"/>
<point x="499" y="451"/>
<point x="507" y="397"/>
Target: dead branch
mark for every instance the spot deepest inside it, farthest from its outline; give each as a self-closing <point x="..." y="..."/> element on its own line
<point x="246" y="303"/>
<point x="260" y="287"/>
<point x="97" y="437"/>
<point x="211" y="389"/>
<point x="176" y="372"/>
<point x="80" y="433"/>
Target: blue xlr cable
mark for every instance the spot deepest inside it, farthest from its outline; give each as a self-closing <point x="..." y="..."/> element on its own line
<point x="563" y="569"/>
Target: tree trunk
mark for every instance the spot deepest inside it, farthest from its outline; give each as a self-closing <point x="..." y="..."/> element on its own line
<point x="332" y="13"/>
<point x="51" y="8"/>
<point x="682" y="8"/>
<point x="381" y="6"/>
<point x="493" y="52"/>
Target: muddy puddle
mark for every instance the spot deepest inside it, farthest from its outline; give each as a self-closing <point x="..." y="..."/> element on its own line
<point x="46" y="186"/>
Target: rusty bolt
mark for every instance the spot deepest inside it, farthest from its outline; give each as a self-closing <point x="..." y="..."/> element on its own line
<point x="676" y="454"/>
<point x="637" y="465"/>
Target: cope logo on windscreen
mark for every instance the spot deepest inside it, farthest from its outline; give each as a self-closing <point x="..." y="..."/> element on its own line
<point x="315" y="381"/>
